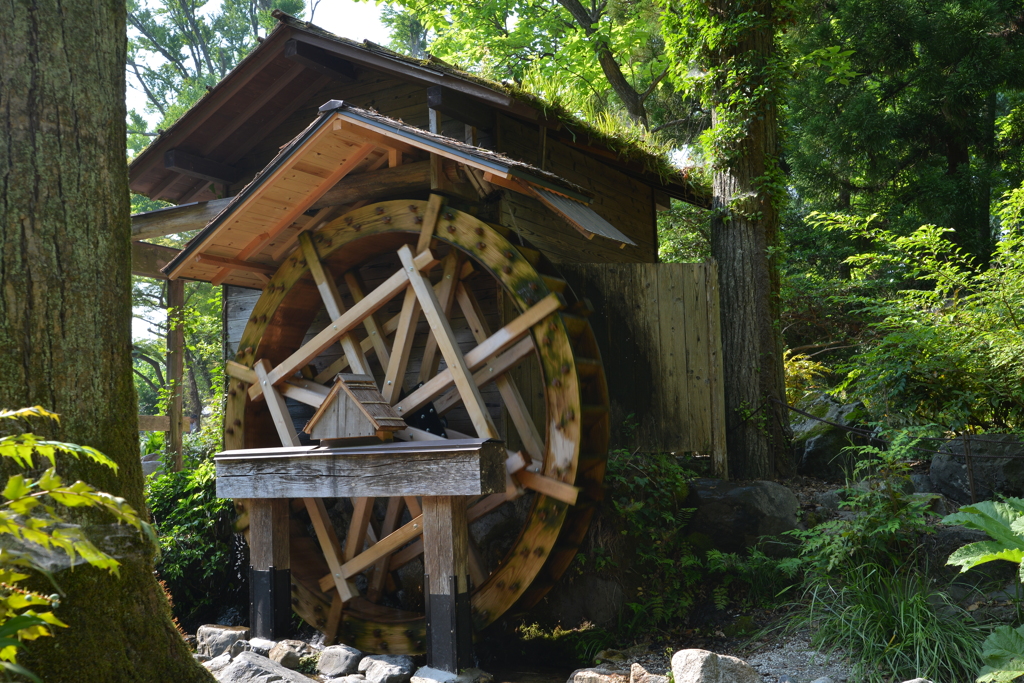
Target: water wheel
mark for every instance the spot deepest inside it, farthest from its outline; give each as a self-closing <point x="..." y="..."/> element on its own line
<point x="546" y="384"/>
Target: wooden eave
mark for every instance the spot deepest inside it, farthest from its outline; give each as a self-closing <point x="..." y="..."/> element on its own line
<point x="244" y="244"/>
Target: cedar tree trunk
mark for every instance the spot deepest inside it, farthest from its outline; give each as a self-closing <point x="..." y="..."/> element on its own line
<point x="65" y="318"/>
<point x="744" y="236"/>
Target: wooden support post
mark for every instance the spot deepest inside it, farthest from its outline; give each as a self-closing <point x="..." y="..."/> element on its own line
<point x="175" y="363"/>
<point x="270" y="568"/>
<point x="446" y="566"/>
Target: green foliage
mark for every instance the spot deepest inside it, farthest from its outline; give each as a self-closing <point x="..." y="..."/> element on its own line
<point x="200" y="559"/>
<point x="579" y="645"/>
<point x="888" y="523"/>
<point x="804" y="375"/>
<point x="1003" y="521"/>
<point x="684" y="234"/>
<point x="647" y="492"/>
<point x="307" y="664"/>
<point x="1003" y="655"/>
<point x="33" y="522"/>
<point x="894" y="625"/>
<point x="947" y="346"/>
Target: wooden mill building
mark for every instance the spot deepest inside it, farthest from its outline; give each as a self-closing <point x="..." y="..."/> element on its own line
<point x="487" y="265"/>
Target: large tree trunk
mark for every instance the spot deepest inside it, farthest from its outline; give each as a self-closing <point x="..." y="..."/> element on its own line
<point x="744" y="237"/>
<point x="65" y="317"/>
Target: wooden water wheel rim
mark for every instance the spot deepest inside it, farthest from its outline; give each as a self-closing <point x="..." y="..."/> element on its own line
<point x="373" y="628"/>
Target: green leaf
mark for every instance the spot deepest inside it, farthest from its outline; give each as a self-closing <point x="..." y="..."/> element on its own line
<point x="16" y="488"/>
<point x="973" y="554"/>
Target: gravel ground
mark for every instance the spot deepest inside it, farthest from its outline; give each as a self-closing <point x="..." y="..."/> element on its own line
<point x="794" y="656"/>
<point x="791" y="655"/>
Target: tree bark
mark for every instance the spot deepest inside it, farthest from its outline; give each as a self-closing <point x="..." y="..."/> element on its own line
<point x="744" y="238"/>
<point x="65" y="318"/>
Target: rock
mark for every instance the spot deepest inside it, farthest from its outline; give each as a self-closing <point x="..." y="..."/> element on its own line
<point x="289" y="652"/>
<point x="702" y="666"/>
<point x="339" y="660"/>
<point x="921" y="483"/>
<point x="426" y="674"/>
<point x="918" y="680"/>
<point x="151" y="463"/>
<point x="261" y="646"/>
<point x="217" y="663"/>
<point x="601" y="674"/>
<point x="250" y="667"/>
<point x="213" y="639"/>
<point x="200" y="658"/>
<point x="387" y="668"/>
<point x="818" y="446"/>
<point x="823" y="679"/>
<point x="732" y="517"/>
<point x="946" y="539"/>
<point x="238" y="647"/>
<point x="638" y="674"/>
<point x="351" y="678"/>
<point x="993" y="476"/>
<point x="473" y="675"/>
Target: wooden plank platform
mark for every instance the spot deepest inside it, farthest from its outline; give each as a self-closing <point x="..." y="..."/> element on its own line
<point x="464" y="467"/>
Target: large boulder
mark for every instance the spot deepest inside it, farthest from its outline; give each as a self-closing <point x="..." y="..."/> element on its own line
<point x="339" y="660"/>
<point x="998" y="473"/>
<point x="818" y="446"/>
<point x="702" y="666"/>
<point x="213" y="639"/>
<point x="250" y="667"/>
<point x="733" y="517"/>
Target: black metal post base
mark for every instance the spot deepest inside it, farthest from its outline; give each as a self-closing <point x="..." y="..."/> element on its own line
<point x="270" y="608"/>
<point x="449" y="628"/>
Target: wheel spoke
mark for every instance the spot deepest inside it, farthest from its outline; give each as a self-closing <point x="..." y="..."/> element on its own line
<point x="496" y="343"/>
<point x="374" y="330"/>
<point x="446" y="295"/>
<point x="380" y="570"/>
<point x="494" y="371"/>
<point x="457" y="368"/>
<point x="332" y="301"/>
<point x="362" y="508"/>
<point x="514" y="403"/>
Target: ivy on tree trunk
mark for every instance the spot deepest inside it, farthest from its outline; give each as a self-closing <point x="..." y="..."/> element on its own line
<point x="734" y="42"/>
<point x="65" y="318"/>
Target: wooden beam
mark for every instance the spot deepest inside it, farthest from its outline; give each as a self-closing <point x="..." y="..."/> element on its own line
<point x="148" y="259"/>
<point x="442" y="330"/>
<point x="380" y="570"/>
<point x="374" y="330"/>
<point x="329" y="544"/>
<point x="332" y="301"/>
<point x="195" y="166"/>
<point x="176" y="219"/>
<point x="495" y="344"/>
<point x="493" y="371"/>
<point x="278" y="410"/>
<point x="320" y="61"/>
<point x="549" y="486"/>
<point x="460" y="107"/>
<point x="389" y="327"/>
<point x="373" y="186"/>
<point x="446" y="295"/>
<point x="229" y="264"/>
<point x="514" y="403"/>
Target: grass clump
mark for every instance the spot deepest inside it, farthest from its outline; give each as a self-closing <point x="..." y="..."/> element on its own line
<point x="895" y="626"/>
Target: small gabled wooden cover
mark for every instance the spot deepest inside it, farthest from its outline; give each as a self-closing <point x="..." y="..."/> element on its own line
<point x="355" y="408"/>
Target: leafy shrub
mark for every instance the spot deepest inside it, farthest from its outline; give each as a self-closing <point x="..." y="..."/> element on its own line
<point x="865" y="591"/>
<point x="646" y="493"/>
<point x="31" y="520"/>
<point x="201" y="561"/>
<point x="889" y="520"/>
